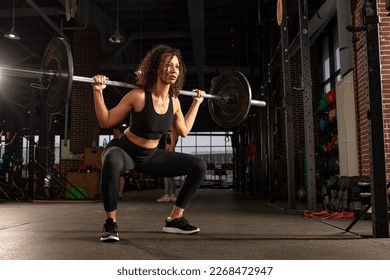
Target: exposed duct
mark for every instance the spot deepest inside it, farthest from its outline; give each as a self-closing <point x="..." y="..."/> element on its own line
<point x="320" y="19"/>
<point x="317" y="23"/>
<point x="345" y="37"/>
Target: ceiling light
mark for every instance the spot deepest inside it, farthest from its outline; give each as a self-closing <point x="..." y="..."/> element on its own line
<point x="117" y="38"/>
<point x="12" y="33"/>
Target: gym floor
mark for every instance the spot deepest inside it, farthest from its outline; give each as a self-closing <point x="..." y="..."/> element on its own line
<point x="234" y="226"/>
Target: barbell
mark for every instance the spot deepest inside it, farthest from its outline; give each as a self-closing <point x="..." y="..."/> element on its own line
<point x="229" y="100"/>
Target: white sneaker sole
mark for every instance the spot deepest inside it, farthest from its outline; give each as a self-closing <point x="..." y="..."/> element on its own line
<point x="179" y="231"/>
<point x="109" y="239"/>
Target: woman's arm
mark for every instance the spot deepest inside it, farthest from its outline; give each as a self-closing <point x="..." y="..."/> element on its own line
<point x="109" y="118"/>
<point x="181" y="124"/>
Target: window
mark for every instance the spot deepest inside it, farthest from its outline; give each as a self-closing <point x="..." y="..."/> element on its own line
<point x="104" y="139"/>
<point x="57" y="149"/>
<point x="26" y="149"/>
<point x="325" y="64"/>
<point x="213" y="147"/>
<point x="2" y="149"/>
<point x="330" y="60"/>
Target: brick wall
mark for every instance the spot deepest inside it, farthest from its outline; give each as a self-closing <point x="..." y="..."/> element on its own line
<point x="360" y="65"/>
<point x="384" y="33"/>
<point x="84" y="127"/>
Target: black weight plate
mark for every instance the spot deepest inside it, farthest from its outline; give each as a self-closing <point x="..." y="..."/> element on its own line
<point x="52" y="190"/>
<point x="57" y="59"/>
<point x="233" y="108"/>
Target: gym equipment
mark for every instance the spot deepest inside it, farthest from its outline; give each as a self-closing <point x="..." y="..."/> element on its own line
<point x="331" y="97"/>
<point x="9" y="166"/>
<point x="10" y="142"/>
<point x="58" y="57"/>
<point x="230" y="92"/>
<point x="52" y="183"/>
<point x="332" y="115"/>
<point x="323" y="123"/>
<point x="234" y="105"/>
<point x="323" y="103"/>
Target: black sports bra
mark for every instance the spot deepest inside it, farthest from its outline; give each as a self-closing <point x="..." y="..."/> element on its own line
<point x="147" y="123"/>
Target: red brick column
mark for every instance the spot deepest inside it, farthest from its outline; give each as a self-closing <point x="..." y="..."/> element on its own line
<point x="361" y="87"/>
<point x="84" y="127"/>
<point x="384" y="42"/>
<point x="360" y="66"/>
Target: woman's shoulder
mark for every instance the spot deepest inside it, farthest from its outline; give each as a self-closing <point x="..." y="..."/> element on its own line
<point x="137" y="93"/>
<point x="175" y="104"/>
<point x="176" y="101"/>
<point x="136" y="98"/>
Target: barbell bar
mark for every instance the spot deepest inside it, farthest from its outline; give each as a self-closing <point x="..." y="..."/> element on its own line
<point x="39" y="74"/>
<point x="257" y="103"/>
<point x="228" y="107"/>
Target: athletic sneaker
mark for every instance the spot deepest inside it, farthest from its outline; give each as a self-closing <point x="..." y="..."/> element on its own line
<point x="179" y="226"/>
<point x="110" y="231"/>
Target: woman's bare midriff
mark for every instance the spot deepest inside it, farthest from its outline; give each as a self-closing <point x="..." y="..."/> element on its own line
<point x="141" y="142"/>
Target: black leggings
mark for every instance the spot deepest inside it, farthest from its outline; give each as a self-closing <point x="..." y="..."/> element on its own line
<point x="123" y="155"/>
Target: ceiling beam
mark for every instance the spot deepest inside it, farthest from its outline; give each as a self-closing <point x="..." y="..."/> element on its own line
<point x="47" y="19"/>
<point x="30" y="12"/>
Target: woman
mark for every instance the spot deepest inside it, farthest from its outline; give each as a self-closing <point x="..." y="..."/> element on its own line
<point x="155" y="109"/>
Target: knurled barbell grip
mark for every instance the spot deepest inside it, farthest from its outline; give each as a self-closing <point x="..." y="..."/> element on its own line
<point x="191" y="93"/>
<point x="126" y="85"/>
<point x="108" y="82"/>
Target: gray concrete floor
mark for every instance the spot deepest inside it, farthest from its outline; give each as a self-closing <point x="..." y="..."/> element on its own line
<point x="234" y="226"/>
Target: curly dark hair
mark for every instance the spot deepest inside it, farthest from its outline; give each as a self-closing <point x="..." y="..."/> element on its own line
<point x="153" y="64"/>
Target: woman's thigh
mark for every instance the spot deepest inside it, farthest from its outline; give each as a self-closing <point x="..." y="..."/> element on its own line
<point x="171" y="164"/>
